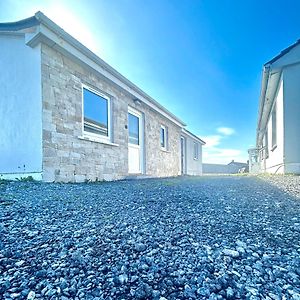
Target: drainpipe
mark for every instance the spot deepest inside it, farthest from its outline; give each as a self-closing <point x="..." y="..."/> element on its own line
<point x="265" y="79"/>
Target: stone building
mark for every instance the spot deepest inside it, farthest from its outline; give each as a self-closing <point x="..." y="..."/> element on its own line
<point x="68" y="116"/>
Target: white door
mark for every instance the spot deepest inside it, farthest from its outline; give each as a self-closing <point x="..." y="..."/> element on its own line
<point x="135" y="141"/>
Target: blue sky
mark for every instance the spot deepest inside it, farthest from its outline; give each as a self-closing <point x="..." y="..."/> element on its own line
<point x="200" y="59"/>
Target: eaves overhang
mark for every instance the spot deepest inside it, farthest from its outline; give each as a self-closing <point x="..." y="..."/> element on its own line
<point x="19" y="25"/>
<point x="193" y="136"/>
<point x="271" y="77"/>
<point x="270" y="82"/>
<point x="283" y="53"/>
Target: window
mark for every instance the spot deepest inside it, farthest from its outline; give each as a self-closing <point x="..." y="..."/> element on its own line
<point x="134" y="129"/>
<point x="96" y="109"/>
<point x="266" y="145"/>
<point x="163" y="137"/>
<point x="274" y="127"/>
<point x="196" y="150"/>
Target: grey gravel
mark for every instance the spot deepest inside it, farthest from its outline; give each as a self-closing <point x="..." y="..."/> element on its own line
<point x="31" y="295"/>
<point x="234" y="237"/>
<point x="287" y="183"/>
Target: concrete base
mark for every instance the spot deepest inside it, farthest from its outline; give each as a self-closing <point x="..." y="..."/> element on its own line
<point x="134" y="177"/>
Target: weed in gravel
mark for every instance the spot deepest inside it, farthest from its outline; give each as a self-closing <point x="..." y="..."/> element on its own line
<point x="25" y="179"/>
<point x="98" y="181"/>
<point x="169" y="183"/>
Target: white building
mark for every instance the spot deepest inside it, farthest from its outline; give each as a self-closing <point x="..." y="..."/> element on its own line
<point x="278" y="137"/>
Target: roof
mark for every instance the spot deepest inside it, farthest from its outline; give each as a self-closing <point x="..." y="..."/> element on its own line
<point x="187" y="132"/>
<point x="43" y="33"/>
<point x="241" y="164"/>
<point x="282" y="53"/>
<point x="19" y="25"/>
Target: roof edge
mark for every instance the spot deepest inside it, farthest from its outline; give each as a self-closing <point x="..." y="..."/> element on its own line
<point x="43" y="19"/>
<point x="282" y="53"/>
<point x="264" y="85"/>
<point x="184" y="130"/>
<point x="19" y="25"/>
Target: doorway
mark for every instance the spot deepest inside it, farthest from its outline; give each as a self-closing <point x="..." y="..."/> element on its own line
<point x="135" y="142"/>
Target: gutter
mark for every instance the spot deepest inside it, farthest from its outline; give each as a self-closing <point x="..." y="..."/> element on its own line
<point x="265" y="81"/>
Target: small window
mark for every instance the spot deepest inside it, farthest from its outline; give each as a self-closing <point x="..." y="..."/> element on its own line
<point x="266" y="145"/>
<point x="274" y="126"/>
<point x="96" y="113"/>
<point x="163" y="137"/>
<point x="196" y="150"/>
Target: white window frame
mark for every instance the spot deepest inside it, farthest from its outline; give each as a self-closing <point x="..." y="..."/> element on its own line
<point x="141" y="145"/>
<point x="266" y="143"/>
<point x="274" y="126"/>
<point x="165" y="147"/>
<point x="96" y="136"/>
<point x="136" y="113"/>
<point x="196" y="154"/>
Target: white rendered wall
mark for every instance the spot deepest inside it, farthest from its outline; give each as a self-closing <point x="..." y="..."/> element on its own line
<point x="20" y="108"/>
<point x="291" y="77"/>
<point x="274" y="163"/>
<point x="193" y="166"/>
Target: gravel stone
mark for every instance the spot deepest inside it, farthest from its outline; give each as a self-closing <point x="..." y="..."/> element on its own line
<point x="231" y="237"/>
<point x="231" y="253"/>
<point x="123" y="278"/>
<point x="140" y="247"/>
<point x="31" y="295"/>
<point x="229" y="293"/>
<point x="296" y="296"/>
<point x="20" y="263"/>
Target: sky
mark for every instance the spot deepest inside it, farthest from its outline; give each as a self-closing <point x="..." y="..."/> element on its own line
<point x="201" y="59"/>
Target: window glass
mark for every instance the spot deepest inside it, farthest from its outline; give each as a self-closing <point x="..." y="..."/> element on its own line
<point x="163" y="137"/>
<point x="266" y="144"/>
<point x="196" y="150"/>
<point x="95" y="113"/>
<point x="274" y="129"/>
<point x="133" y="128"/>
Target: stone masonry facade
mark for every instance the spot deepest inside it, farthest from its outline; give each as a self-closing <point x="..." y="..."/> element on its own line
<point x="67" y="157"/>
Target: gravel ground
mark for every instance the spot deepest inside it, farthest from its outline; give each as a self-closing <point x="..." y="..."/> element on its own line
<point x="288" y="183"/>
<point x="184" y="238"/>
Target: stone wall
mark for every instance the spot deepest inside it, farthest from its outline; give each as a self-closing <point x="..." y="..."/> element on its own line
<point x="69" y="158"/>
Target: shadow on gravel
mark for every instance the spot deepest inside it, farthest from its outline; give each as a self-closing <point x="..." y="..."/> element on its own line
<point x="234" y="237"/>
